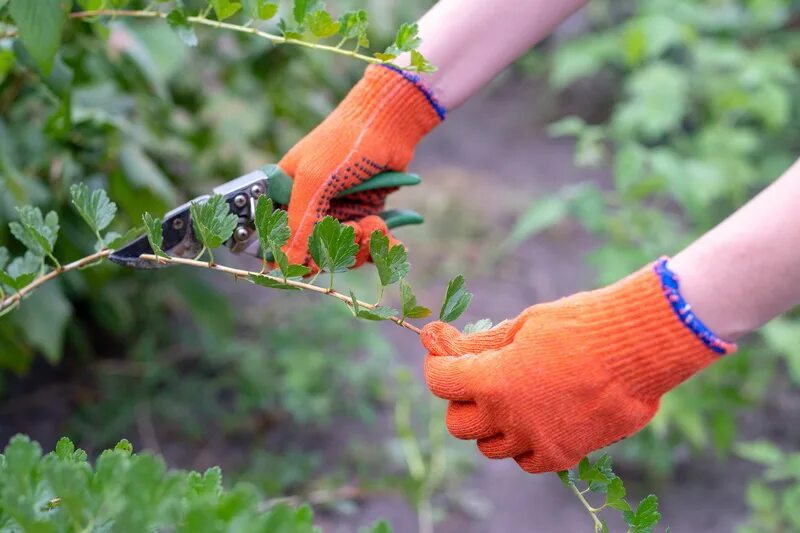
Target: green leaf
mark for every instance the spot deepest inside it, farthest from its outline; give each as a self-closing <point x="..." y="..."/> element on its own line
<point x="113" y="240"/>
<point x="392" y="263"/>
<point x="7" y="60"/>
<point x="420" y="63"/>
<point x="124" y="447"/>
<point x="4" y="257"/>
<point x="155" y="235"/>
<point x="271" y="283"/>
<point x="273" y="231"/>
<point x="37" y="233"/>
<point x="302" y="8"/>
<point x="178" y="22"/>
<point x="21" y="271"/>
<point x="645" y="516"/>
<point x="762" y="452"/>
<point x="566" y="478"/>
<point x="354" y="26"/>
<point x="483" y="324"/>
<point x="541" y="215"/>
<point x="407" y="38"/>
<point x="385" y="56"/>
<point x="456" y="300"/>
<point x="410" y="309"/>
<point x="225" y="8"/>
<point x="321" y="24"/>
<point x="290" y="30"/>
<point x="615" y="495"/>
<point x="65" y="450"/>
<point x="260" y="9"/>
<point x="94" y="207"/>
<point x="377" y="313"/>
<point x="44" y="316"/>
<point x="332" y="245"/>
<point x="40" y="23"/>
<point x="272" y="225"/>
<point x="213" y="221"/>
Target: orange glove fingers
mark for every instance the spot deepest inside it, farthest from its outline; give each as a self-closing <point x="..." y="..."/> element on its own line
<point x="440" y="338"/>
<point x="466" y="421"/>
<point x="363" y="229"/>
<point x="450" y="377"/>
<point x="501" y="447"/>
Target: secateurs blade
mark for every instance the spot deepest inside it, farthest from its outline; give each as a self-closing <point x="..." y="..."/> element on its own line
<point x="241" y="195"/>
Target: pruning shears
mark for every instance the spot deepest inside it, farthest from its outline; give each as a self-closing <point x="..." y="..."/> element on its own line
<point x="241" y="195"/>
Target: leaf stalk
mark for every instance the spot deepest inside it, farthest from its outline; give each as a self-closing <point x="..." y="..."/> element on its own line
<point x="201" y="20"/>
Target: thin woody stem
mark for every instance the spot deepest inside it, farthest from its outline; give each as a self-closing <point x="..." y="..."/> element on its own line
<point x="277" y="39"/>
<point x="598" y="526"/>
<point x="80" y="263"/>
<point x="299" y="284"/>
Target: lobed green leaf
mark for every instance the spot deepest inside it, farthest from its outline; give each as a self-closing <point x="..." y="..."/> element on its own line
<point x="353" y="25"/>
<point x="332" y="245"/>
<point x="94" y="207"/>
<point x="321" y="24"/>
<point x="410" y="309"/>
<point x="645" y="517"/>
<point x="113" y="240"/>
<point x="37" y="233"/>
<point x="407" y="38"/>
<point x="213" y="221"/>
<point x="155" y="235"/>
<point x="40" y="24"/>
<point x="271" y="283"/>
<point x="225" y="8"/>
<point x="456" y="300"/>
<point x="392" y="263"/>
<point x="271" y="224"/>
<point x="260" y="9"/>
<point x="21" y="271"/>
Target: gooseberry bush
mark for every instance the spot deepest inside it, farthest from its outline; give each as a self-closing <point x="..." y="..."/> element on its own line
<point x="61" y="490"/>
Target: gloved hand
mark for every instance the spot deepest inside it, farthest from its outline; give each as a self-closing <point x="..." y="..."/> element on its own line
<point x="569" y="377"/>
<point x="374" y="129"/>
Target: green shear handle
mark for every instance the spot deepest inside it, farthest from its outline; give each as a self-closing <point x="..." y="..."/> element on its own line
<point x="280" y="190"/>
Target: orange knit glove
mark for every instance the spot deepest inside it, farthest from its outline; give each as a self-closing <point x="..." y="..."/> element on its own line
<point x="374" y="129"/>
<point x="568" y="377"/>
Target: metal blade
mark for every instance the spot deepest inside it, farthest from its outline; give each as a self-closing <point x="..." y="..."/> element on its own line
<point x="179" y="240"/>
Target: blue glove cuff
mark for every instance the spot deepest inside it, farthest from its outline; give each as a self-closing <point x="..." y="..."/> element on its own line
<point x="415" y="79"/>
<point x="671" y="285"/>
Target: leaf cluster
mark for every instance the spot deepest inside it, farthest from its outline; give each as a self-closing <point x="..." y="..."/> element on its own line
<point x="39" y="233"/>
<point x="41" y="24"/>
<point x="598" y="477"/>
<point x="125" y="491"/>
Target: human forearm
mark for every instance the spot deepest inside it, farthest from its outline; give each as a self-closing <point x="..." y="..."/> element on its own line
<point x="471" y="41"/>
<point x="746" y="271"/>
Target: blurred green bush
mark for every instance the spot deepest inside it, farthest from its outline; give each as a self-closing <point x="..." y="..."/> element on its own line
<point x="704" y="114"/>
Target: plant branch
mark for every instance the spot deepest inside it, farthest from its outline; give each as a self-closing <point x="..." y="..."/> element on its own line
<point x="200" y="20"/>
<point x="80" y="263"/>
<point x="299" y="284"/>
<point x="598" y="526"/>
